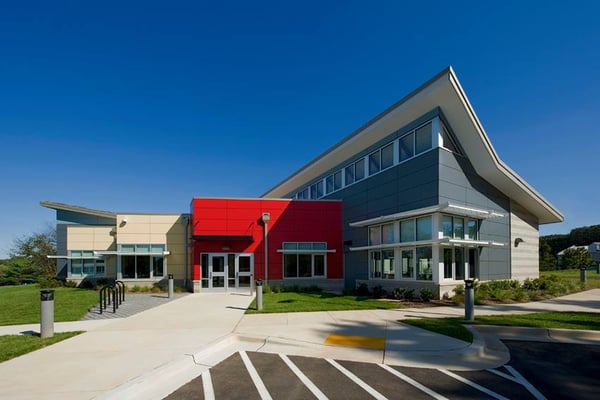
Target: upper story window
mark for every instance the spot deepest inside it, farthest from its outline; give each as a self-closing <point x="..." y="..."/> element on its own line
<point x="409" y="145"/>
<point x="459" y="227"/>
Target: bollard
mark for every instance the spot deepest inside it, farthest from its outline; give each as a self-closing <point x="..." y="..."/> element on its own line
<point x="259" y="293"/>
<point x="46" y="313"/>
<point x="469" y="300"/>
<point x="171" y="286"/>
<point x="583" y="274"/>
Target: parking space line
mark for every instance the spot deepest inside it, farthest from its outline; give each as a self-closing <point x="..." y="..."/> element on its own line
<point x="260" y="386"/>
<point x="207" y="386"/>
<point x="357" y="380"/>
<point x="411" y="381"/>
<point x="503" y="375"/>
<point x="473" y="384"/>
<point x="303" y="378"/>
<point x="525" y="383"/>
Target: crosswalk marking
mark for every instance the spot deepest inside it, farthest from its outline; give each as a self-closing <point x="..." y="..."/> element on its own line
<point x="411" y="381"/>
<point x="473" y="384"/>
<point x="303" y="378"/>
<point x="207" y="386"/>
<point x="525" y="383"/>
<point x="260" y="386"/>
<point x="357" y="380"/>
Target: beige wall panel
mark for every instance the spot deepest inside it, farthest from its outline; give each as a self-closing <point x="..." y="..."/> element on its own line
<point x="165" y="219"/>
<point x="524" y="258"/>
<point x="157" y="238"/>
<point x="134" y="238"/>
<point x="134" y="218"/>
<point x="89" y="238"/>
<point x="134" y="228"/>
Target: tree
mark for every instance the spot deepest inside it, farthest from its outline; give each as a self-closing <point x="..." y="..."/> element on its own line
<point x="34" y="250"/>
<point x="547" y="259"/>
<point x="576" y="258"/>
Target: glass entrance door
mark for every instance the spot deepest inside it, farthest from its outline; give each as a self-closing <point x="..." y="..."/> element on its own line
<point x="217" y="271"/>
<point x="244" y="270"/>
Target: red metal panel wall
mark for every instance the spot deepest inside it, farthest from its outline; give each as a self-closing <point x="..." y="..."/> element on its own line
<point x="291" y="221"/>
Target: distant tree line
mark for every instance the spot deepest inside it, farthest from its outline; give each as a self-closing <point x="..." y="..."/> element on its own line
<point x="550" y="245"/>
<point x="28" y="259"/>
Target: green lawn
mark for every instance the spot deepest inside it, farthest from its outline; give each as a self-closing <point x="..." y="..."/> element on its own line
<point x="21" y="304"/>
<point x="572" y="275"/>
<point x="12" y="346"/>
<point x="301" y="302"/>
<point x="563" y="320"/>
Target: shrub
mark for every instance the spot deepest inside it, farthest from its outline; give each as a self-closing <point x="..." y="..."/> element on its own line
<point x="404" y="294"/>
<point x="426" y="294"/>
<point x="362" y="290"/>
<point x="379" y="292"/>
<point x="136" y="289"/>
<point x="48" y="283"/>
<point x="71" y="284"/>
<point x="459" y="290"/>
<point x="266" y="289"/>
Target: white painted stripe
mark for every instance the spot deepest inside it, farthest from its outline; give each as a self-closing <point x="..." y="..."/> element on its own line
<point x="209" y="391"/>
<point x="260" y="386"/>
<point x="525" y="383"/>
<point x="411" y="381"/>
<point x="503" y="375"/>
<point x="473" y="384"/>
<point x="303" y="378"/>
<point x="357" y="380"/>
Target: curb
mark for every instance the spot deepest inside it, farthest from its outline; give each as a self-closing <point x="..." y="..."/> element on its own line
<point x="538" y="334"/>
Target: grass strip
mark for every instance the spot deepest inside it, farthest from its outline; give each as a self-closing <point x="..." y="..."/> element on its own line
<point x="452" y="327"/>
<point x="12" y="346"/>
<point x="558" y="320"/>
<point x="21" y="304"/>
<point x="304" y="302"/>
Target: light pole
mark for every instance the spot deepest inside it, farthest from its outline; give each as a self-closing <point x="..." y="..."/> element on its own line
<point x="266" y="217"/>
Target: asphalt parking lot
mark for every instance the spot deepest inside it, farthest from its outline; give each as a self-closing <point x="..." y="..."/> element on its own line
<point x="252" y="375"/>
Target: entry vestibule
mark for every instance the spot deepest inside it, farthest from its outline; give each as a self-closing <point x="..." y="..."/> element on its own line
<point x="226" y="271"/>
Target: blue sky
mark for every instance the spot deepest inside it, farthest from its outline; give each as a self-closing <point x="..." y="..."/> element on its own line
<point x="140" y="106"/>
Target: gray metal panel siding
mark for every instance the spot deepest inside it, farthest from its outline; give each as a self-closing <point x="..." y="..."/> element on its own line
<point x="459" y="182"/>
<point x="410" y="185"/>
<point x="61" y="249"/>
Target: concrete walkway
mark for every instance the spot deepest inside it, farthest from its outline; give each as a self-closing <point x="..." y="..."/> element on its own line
<point x="149" y="355"/>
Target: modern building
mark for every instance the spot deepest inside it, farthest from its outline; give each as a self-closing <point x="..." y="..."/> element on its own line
<point x="417" y="197"/>
<point x="592" y="248"/>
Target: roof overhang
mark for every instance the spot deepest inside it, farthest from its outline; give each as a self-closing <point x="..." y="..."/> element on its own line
<point x="77" y="209"/>
<point x="443" y="91"/>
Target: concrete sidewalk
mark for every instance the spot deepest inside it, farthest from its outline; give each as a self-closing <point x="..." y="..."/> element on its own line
<point x="150" y="354"/>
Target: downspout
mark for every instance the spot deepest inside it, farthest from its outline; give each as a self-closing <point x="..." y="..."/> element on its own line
<point x="185" y="220"/>
<point x="266" y="217"/>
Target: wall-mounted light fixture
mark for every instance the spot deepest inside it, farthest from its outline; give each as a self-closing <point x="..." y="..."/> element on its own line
<point x="517" y="241"/>
<point x="123" y="222"/>
<point x="226" y="247"/>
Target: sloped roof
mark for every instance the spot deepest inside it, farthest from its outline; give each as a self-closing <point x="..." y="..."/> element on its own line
<point x="78" y="209"/>
<point x="444" y="91"/>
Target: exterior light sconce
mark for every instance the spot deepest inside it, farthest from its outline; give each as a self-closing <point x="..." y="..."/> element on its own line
<point x="123" y="222"/>
<point x="517" y="241"/>
<point x="226" y="247"/>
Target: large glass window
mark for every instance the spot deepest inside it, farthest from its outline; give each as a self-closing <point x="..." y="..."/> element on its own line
<point x="424" y="261"/>
<point x="407" y="230"/>
<point x="424" y="228"/>
<point x="459" y="228"/>
<point x="459" y="263"/>
<point x="85" y="263"/>
<point x="374" y="162"/>
<point x="407" y="146"/>
<point x="142" y="261"/>
<point x="375" y="264"/>
<point x="387" y="156"/>
<point x="448" y="263"/>
<point x="387" y="233"/>
<point x="374" y="235"/>
<point x="305" y="263"/>
<point x="359" y="170"/>
<point x="408" y="264"/>
<point x="316" y="190"/>
<point x="387" y="257"/>
<point x="472" y="229"/>
<point x="349" y="174"/>
<point x="423" y="141"/>
<point x="447" y="226"/>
